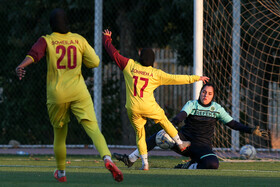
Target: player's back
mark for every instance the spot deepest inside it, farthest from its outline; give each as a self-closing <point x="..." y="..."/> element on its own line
<point x="65" y="54"/>
<point x="141" y="82"/>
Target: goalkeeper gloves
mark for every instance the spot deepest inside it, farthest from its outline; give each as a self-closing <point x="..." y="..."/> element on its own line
<point x="260" y="132"/>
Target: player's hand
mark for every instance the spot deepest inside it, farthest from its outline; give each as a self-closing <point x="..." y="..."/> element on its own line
<point x="204" y="79"/>
<point x="20" y="72"/>
<point x="260" y="132"/>
<point x="107" y="33"/>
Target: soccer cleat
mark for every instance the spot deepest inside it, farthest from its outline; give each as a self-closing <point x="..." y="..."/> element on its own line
<point x="145" y="167"/>
<point x="184" y="145"/>
<point x="124" y="158"/>
<point x="185" y="165"/>
<point x="117" y="174"/>
<point x="60" y="179"/>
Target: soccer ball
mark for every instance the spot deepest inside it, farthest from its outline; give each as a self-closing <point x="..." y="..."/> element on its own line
<point x="163" y="140"/>
<point x="247" y="152"/>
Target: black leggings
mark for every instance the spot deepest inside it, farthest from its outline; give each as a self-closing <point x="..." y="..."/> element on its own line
<point x="202" y="154"/>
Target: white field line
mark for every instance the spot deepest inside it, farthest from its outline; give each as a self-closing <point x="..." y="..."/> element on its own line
<point x="95" y="167"/>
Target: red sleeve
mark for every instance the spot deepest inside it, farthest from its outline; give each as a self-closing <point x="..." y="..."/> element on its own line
<point x="38" y="50"/>
<point x="120" y="60"/>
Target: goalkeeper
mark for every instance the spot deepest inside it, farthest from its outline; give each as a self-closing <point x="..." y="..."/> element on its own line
<point x="141" y="79"/>
<point x="200" y="120"/>
<point x="66" y="88"/>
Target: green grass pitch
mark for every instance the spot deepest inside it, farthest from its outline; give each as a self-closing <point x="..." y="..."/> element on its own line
<point x="89" y="171"/>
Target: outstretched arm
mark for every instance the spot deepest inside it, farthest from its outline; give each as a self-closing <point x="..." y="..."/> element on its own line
<point x="204" y="79"/>
<point x="112" y="51"/>
<point x="260" y="132"/>
<point x="240" y="127"/>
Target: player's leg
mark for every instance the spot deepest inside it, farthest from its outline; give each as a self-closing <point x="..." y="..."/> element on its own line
<point x="59" y="117"/>
<point x="59" y="147"/>
<point x="202" y="157"/>
<point x="84" y="112"/>
<point x="97" y="137"/>
<point x="138" y="123"/>
<point x="176" y="149"/>
<point x="130" y="159"/>
<point x="208" y="161"/>
<point x="159" y="117"/>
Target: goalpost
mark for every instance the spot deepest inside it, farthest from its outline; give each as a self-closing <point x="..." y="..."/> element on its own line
<point x="198" y="60"/>
<point x="241" y="56"/>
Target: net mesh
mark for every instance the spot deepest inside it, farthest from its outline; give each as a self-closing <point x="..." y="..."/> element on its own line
<point x="256" y="42"/>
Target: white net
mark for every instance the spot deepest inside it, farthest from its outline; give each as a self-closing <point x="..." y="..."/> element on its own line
<point x="241" y="55"/>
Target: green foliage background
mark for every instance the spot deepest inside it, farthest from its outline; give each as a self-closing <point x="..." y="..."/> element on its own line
<point x="23" y="112"/>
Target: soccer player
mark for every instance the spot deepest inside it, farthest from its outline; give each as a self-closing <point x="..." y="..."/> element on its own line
<point x="200" y="118"/>
<point x="66" y="88"/>
<point x="141" y="80"/>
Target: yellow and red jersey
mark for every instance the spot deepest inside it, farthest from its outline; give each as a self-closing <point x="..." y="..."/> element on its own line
<point x="141" y="81"/>
<point x="65" y="54"/>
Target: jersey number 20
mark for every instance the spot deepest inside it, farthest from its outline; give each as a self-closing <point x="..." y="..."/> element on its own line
<point x="143" y="87"/>
<point x="66" y="51"/>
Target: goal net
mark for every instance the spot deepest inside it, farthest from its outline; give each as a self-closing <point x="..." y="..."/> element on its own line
<point x="242" y="57"/>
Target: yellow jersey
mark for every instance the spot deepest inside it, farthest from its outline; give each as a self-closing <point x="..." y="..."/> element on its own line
<point x="141" y="81"/>
<point x="65" y="54"/>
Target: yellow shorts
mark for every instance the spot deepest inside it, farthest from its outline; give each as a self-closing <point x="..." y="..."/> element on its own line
<point x="59" y="114"/>
<point x="138" y="121"/>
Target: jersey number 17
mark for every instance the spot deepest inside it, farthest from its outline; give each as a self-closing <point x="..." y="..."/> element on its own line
<point x="143" y="87"/>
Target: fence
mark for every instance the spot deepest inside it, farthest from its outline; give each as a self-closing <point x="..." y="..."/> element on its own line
<point x="158" y="24"/>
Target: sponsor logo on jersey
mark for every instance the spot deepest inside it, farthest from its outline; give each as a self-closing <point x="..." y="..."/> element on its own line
<point x="206" y="113"/>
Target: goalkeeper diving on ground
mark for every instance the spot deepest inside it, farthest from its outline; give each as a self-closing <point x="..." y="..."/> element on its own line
<point x="200" y="117"/>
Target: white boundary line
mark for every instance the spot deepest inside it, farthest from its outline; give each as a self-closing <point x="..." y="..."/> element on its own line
<point x="100" y="167"/>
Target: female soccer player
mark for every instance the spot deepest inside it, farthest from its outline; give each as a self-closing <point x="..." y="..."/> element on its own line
<point x="66" y="89"/>
<point x="141" y="79"/>
<point x="200" y="118"/>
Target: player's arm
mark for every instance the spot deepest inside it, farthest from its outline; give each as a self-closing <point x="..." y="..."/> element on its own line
<point x="34" y="55"/>
<point x="224" y="117"/>
<point x="120" y="60"/>
<point x="181" y="116"/>
<point x="90" y="58"/>
<point x="172" y="79"/>
<point x="230" y="122"/>
<point x="240" y="127"/>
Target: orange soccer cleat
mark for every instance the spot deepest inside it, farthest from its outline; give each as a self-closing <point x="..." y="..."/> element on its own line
<point x="117" y="174"/>
<point x="60" y="179"/>
<point x="184" y="145"/>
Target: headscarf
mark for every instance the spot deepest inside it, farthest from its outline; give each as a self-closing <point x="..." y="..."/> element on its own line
<point x="147" y="57"/>
<point x="59" y="21"/>
<point x="207" y="84"/>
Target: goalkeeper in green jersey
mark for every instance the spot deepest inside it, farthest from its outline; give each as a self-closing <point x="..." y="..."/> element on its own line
<point x="200" y="117"/>
<point x="66" y="89"/>
<point x="141" y="79"/>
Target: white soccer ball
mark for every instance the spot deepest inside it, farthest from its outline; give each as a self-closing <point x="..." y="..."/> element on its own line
<point x="163" y="140"/>
<point x="247" y="152"/>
